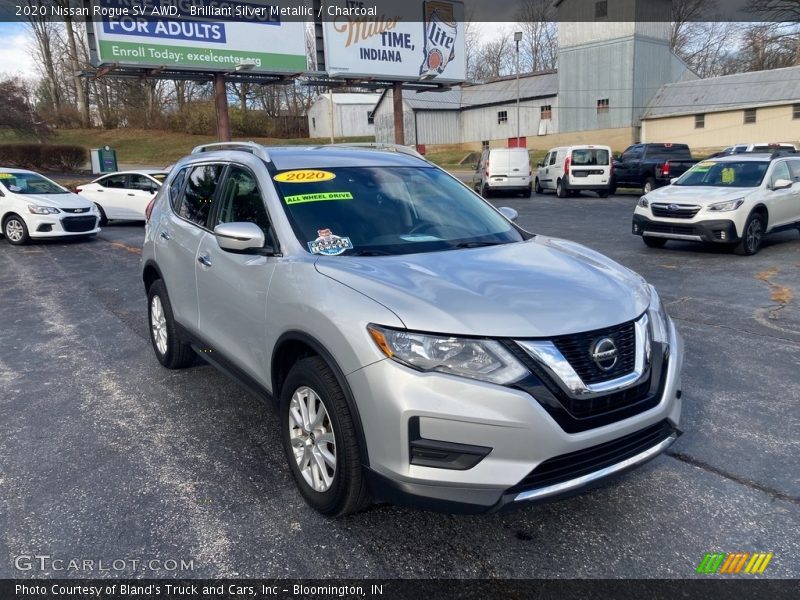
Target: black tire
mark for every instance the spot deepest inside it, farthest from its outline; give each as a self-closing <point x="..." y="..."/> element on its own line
<point x="561" y="190"/>
<point x="603" y="194"/>
<point x="653" y="242"/>
<point x="649" y="185"/>
<point x="752" y="236"/>
<point x="347" y="492"/>
<point x="485" y="191"/>
<point x="527" y="192"/>
<point x="103" y="220"/>
<point x="15" y="230"/>
<point x="539" y="188"/>
<point x="177" y="354"/>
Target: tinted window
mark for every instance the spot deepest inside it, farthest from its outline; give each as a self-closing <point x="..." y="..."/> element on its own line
<point x="676" y="151"/>
<point x="175" y="186"/>
<point x="114" y="181"/>
<point x="241" y="201"/>
<point x="553" y="156"/>
<point x="590" y="156"/>
<point x="201" y="185"/>
<point x="388" y="210"/>
<point x="725" y="174"/>
<point x="140" y="182"/>
<point x="632" y="153"/>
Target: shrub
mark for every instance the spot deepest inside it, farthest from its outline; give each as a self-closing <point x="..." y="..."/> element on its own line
<point x="64" y="157"/>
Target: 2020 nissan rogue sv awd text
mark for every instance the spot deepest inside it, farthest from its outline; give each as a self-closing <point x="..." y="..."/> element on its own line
<point x="421" y="346"/>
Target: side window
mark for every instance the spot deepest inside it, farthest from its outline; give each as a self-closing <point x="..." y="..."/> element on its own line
<point x="553" y="156"/>
<point x="201" y="185"/>
<point x="781" y="171"/>
<point x="175" y="187"/>
<point x="113" y="181"/>
<point x="140" y="182"/>
<point x="241" y="201"/>
<point x="794" y="168"/>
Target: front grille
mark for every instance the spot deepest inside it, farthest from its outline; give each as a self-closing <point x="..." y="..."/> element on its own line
<point x="577" y="349"/>
<point x="78" y="224"/>
<point x="681" y="211"/>
<point x="669" y="228"/>
<point x="582" y="462"/>
<point x="75" y="210"/>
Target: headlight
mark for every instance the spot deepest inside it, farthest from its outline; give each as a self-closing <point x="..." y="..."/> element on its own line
<point x="659" y="320"/>
<point x="42" y="210"/>
<point x="727" y="205"/>
<point x="643" y="202"/>
<point x="485" y="360"/>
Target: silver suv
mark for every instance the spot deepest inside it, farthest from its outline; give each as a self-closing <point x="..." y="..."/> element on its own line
<point x="421" y="347"/>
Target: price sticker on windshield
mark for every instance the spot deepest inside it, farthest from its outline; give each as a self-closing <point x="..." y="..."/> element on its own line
<point x="728" y="175"/>
<point x="304" y="176"/>
<point x="6" y="176"/>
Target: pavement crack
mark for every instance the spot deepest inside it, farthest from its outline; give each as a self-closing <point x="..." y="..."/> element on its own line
<point x="700" y="464"/>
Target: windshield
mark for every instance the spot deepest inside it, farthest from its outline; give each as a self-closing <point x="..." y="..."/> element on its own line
<point x="725" y="174"/>
<point x="387" y="210"/>
<point x="30" y="183"/>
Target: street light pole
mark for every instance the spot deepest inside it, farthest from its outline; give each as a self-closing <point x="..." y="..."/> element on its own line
<point x="518" y="39"/>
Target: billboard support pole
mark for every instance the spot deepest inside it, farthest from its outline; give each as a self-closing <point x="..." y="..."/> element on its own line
<point x="397" y="103"/>
<point x="221" y="104"/>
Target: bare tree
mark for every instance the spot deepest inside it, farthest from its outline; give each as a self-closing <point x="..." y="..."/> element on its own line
<point x="75" y="68"/>
<point x="777" y="11"/>
<point x="44" y="32"/>
<point x="536" y="18"/>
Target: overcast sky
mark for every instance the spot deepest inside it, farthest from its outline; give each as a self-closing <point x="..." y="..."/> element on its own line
<point x="15" y="50"/>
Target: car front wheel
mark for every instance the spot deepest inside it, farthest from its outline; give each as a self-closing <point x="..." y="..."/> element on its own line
<point x="561" y="190"/>
<point x="320" y="440"/>
<point x="15" y="230"/>
<point x="753" y="234"/>
<point x="653" y="242"/>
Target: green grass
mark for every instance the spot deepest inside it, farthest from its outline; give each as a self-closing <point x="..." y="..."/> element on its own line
<point x="153" y="147"/>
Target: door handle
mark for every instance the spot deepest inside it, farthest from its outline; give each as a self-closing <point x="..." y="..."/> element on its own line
<point x="165" y="235"/>
<point x="129" y="194"/>
<point x="204" y="260"/>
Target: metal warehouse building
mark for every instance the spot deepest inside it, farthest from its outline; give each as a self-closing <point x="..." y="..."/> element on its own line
<point x="618" y="82"/>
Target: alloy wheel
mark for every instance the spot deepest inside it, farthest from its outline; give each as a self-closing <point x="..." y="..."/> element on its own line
<point x="312" y="439"/>
<point x="158" y="323"/>
<point x="14" y="230"/>
<point x="754" y="230"/>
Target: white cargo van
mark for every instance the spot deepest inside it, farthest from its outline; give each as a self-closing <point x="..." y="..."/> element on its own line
<point x="503" y="170"/>
<point x="572" y="169"/>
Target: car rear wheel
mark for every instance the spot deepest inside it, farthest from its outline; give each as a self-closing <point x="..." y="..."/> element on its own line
<point x="485" y="191"/>
<point x="561" y="190"/>
<point x="15" y="230"/>
<point x="103" y="220"/>
<point x="753" y="235"/>
<point x="539" y="188"/>
<point x="603" y="194"/>
<point x="171" y="351"/>
<point x="320" y="440"/>
<point x="653" y="242"/>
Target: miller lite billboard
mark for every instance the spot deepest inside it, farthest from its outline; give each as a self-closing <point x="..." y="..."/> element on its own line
<point x="385" y="39"/>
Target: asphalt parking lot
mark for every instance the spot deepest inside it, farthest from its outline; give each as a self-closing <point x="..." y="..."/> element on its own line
<point x="106" y="455"/>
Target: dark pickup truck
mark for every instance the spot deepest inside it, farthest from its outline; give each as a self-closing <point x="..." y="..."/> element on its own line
<point x="649" y="166"/>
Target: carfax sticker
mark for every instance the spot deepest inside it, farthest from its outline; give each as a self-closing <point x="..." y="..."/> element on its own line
<point x="329" y="244"/>
<point x="304" y="176"/>
<point x="302" y="198"/>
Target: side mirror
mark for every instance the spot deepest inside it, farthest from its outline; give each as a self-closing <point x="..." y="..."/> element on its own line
<point x="540" y="163"/>
<point x="781" y="184"/>
<point x="153" y="190"/>
<point x="239" y="237"/>
<point x="508" y="212"/>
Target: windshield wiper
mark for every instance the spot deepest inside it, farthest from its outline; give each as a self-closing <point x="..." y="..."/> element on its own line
<point x="368" y="253"/>
<point x="477" y="244"/>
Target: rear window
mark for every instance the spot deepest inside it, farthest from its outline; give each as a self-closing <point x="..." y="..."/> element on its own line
<point x="590" y="156"/>
<point x="668" y="151"/>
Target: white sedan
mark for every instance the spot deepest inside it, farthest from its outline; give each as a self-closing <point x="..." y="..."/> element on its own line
<point x="32" y="206"/>
<point x="123" y="195"/>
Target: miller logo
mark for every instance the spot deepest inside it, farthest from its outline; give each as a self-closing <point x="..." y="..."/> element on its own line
<point x="440" y="38"/>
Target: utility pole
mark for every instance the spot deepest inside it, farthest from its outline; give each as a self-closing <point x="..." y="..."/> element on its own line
<point x="221" y="105"/>
<point x="397" y="105"/>
<point x="331" y="112"/>
<point x="518" y="39"/>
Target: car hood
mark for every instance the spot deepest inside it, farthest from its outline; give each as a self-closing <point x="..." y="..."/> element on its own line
<point x="57" y="200"/>
<point x="698" y="194"/>
<point x="539" y="288"/>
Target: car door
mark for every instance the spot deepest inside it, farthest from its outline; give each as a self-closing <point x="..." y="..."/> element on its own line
<point x="232" y="287"/>
<point x="550" y="171"/>
<point x="140" y="191"/>
<point x="781" y="203"/>
<point x="177" y="237"/>
<point x="541" y="167"/>
<point x="626" y="171"/>
<point x="111" y="195"/>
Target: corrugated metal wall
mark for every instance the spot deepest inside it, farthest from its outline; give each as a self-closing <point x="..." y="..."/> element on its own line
<point x="349" y="120"/>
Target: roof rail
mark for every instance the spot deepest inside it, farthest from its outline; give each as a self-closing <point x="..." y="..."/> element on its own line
<point x="783" y="152"/>
<point x="251" y="147"/>
<point x="380" y="146"/>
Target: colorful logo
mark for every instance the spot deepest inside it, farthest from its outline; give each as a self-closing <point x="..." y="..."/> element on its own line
<point x="441" y="31"/>
<point x="720" y="563"/>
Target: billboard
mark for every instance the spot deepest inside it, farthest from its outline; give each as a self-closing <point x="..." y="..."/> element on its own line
<point x="406" y="41"/>
<point x="203" y="35"/>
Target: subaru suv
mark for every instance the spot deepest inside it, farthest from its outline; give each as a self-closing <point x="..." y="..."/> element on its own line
<point x="420" y="346"/>
<point x="733" y="200"/>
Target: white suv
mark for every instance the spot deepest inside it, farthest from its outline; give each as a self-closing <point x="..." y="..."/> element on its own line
<point x="32" y="206"/>
<point x="732" y="200"/>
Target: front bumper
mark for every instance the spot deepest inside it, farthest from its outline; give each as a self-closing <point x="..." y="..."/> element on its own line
<point x="62" y="225"/>
<point x="721" y="231"/>
<point x="519" y="433"/>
